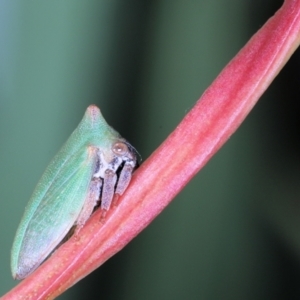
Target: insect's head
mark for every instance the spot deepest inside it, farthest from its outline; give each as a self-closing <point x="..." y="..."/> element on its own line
<point x="115" y="167"/>
<point x="114" y="158"/>
<point x="126" y="153"/>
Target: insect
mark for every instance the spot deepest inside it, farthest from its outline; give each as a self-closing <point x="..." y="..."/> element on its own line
<point x="92" y="166"/>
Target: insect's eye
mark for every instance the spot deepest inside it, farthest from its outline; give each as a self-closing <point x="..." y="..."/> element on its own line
<point x="120" y="148"/>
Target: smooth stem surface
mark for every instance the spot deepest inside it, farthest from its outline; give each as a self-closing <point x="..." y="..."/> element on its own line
<point x="215" y="117"/>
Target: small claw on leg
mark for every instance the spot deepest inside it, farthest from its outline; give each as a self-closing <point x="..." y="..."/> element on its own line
<point x="103" y="215"/>
<point x="115" y="200"/>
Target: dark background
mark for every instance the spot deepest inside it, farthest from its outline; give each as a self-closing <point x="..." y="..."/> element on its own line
<point x="234" y="232"/>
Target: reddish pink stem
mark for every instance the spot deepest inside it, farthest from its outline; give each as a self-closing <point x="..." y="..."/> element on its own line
<point x="215" y="117"/>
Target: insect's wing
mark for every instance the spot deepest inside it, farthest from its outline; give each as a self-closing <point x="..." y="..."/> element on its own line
<point x="56" y="213"/>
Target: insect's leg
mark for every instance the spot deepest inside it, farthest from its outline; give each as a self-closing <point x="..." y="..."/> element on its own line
<point x="124" y="178"/>
<point x="108" y="189"/>
<point x="89" y="203"/>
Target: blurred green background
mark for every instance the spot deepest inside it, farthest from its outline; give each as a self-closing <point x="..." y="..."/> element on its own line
<point x="233" y="233"/>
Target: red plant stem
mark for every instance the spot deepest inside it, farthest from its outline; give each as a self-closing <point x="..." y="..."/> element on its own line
<point x="215" y="117"/>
